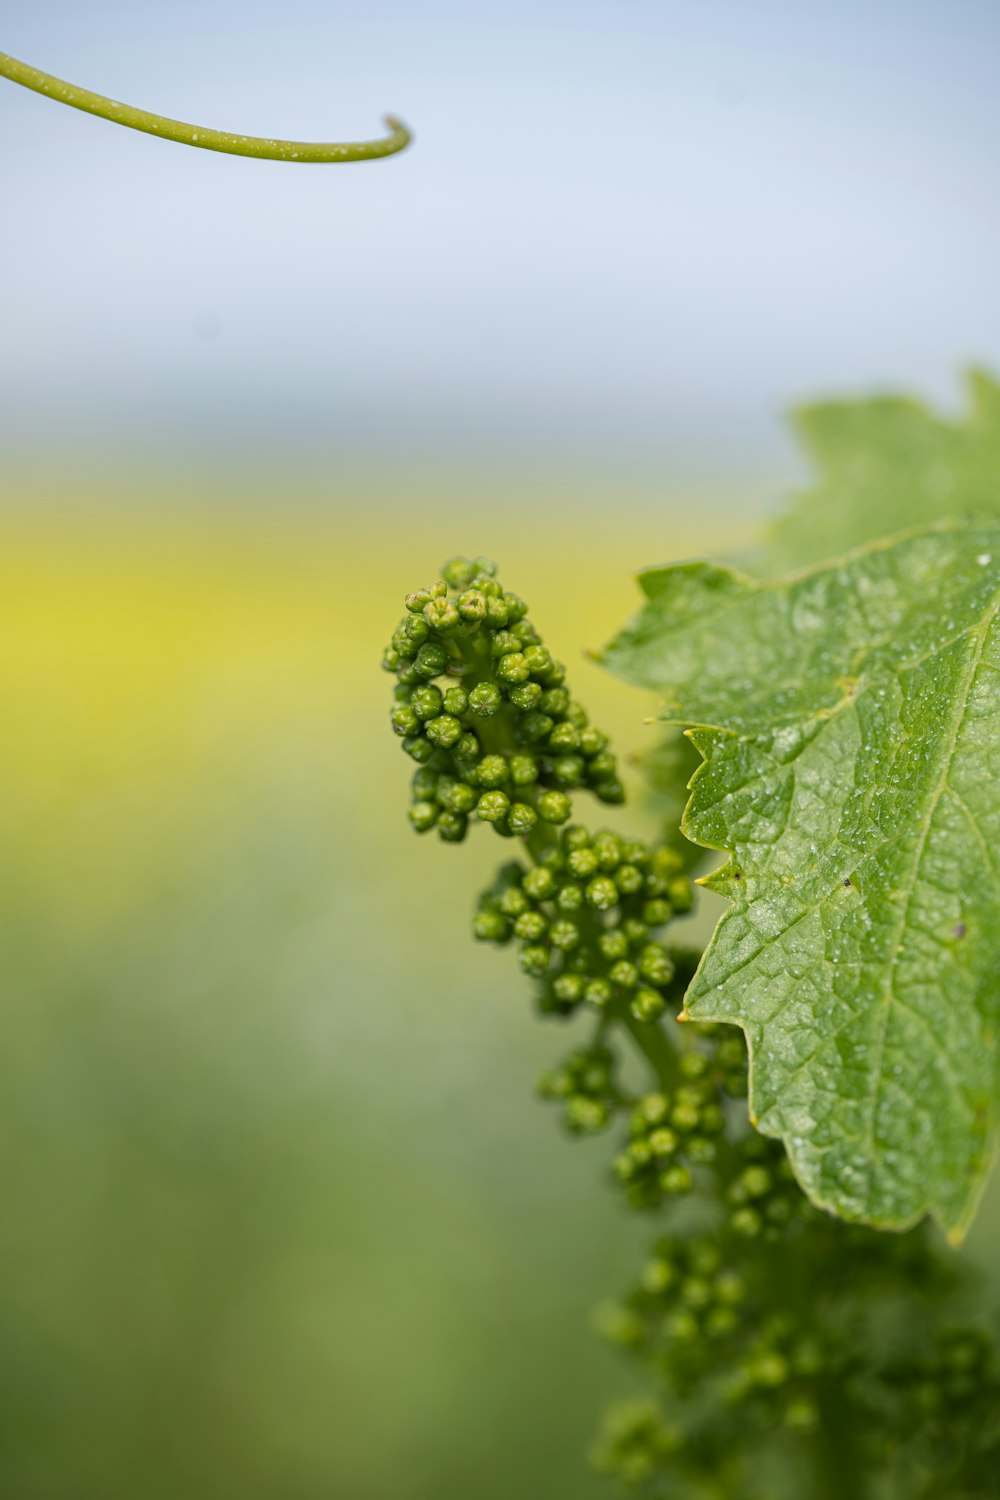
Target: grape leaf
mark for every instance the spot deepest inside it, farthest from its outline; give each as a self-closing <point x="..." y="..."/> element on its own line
<point x="850" y="723"/>
<point x="884" y="465"/>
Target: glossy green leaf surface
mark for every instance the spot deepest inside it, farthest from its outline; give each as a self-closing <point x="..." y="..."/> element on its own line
<point x="850" y="724"/>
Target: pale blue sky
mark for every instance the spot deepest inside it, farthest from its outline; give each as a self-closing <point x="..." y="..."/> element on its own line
<point x="630" y="228"/>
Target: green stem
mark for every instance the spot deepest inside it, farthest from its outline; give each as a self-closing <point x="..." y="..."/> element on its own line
<point x="496" y="735"/>
<point x="199" y="135"/>
<point x="652" y="1042"/>
<point x="837" y="1470"/>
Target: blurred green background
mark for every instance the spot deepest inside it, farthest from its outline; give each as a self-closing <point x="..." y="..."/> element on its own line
<point x="281" y="1218"/>
<point x="281" y="1214"/>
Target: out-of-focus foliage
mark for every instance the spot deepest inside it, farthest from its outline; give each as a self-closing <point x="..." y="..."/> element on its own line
<point x="884" y="465"/>
<point x="667" y="769"/>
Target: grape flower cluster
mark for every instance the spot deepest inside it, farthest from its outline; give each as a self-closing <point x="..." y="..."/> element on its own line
<point x="483" y="709"/>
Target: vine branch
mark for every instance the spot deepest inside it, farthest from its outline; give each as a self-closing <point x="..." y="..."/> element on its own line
<point x="198" y="135"/>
